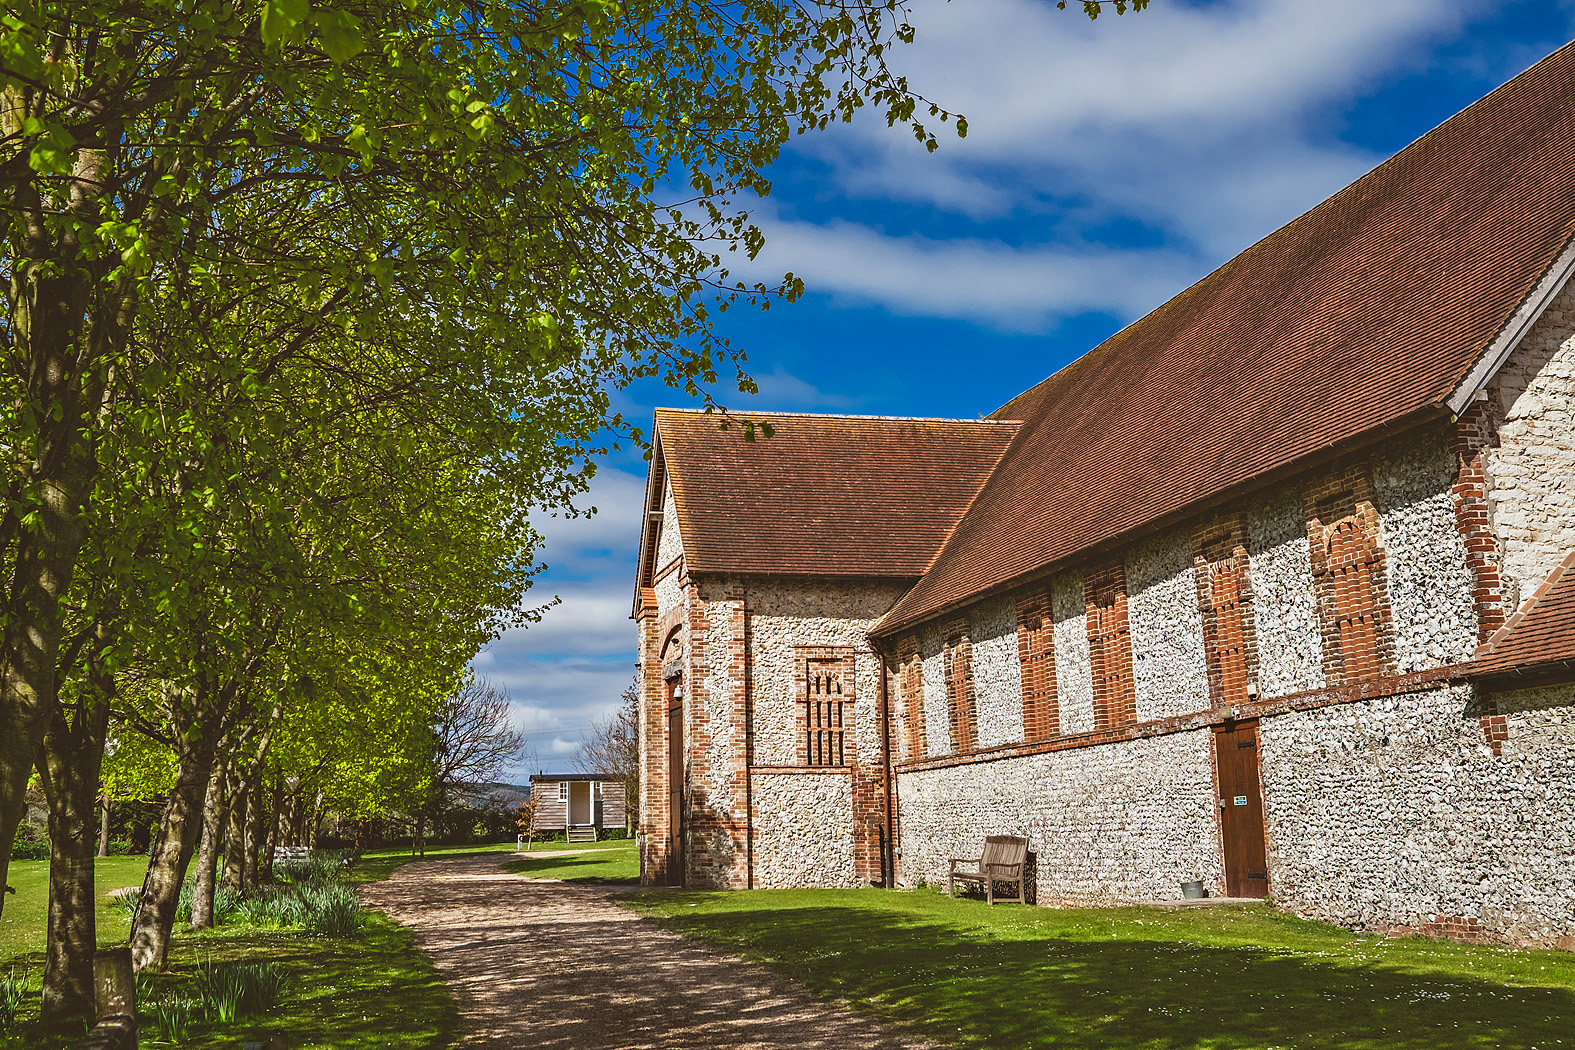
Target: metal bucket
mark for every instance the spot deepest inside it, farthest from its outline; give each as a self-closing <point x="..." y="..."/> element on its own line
<point x="1193" y="890"/>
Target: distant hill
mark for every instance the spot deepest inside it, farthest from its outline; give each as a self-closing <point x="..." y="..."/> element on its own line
<point x="493" y="796"/>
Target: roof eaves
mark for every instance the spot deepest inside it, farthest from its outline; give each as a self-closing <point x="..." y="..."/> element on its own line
<point x="886" y="627"/>
<point x="1514" y="330"/>
<point x="655" y="478"/>
<point x="1527" y="608"/>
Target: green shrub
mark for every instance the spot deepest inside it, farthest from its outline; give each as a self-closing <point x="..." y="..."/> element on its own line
<point x="31" y="843"/>
<point x="218" y="991"/>
<point x="173" y="1018"/>
<point x="330" y="908"/>
<point x="129" y="902"/>
<point x="13" y="988"/>
<point x="322" y="865"/>
<point x="261" y="984"/>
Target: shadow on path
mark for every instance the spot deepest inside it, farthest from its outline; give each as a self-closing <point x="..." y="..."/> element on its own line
<point x="553" y="965"/>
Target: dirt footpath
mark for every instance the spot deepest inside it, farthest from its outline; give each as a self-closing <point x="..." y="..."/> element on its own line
<point x="548" y="964"/>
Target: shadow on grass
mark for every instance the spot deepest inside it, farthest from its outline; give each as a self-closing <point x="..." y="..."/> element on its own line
<point x="968" y="987"/>
<point x="622" y="868"/>
<point x="372" y="990"/>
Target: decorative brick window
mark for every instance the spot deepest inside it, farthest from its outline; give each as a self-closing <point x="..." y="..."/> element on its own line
<point x="1110" y="646"/>
<point x="1350" y="577"/>
<point x="825" y="686"/>
<point x="910" y="688"/>
<point x="958" y="656"/>
<point x="1036" y="658"/>
<point x="1230" y="637"/>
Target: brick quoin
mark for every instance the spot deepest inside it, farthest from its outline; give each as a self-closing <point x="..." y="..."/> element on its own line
<point x="1474" y="432"/>
<point x="911" y="695"/>
<point x="1036" y="658"/>
<point x="1222" y="572"/>
<point x="1110" y="645"/>
<point x="961" y="704"/>
<point x="1350" y="576"/>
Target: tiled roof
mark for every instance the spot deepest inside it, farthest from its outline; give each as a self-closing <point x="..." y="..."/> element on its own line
<point x="824" y="495"/>
<point x="1366" y="313"/>
<point x="1540" y="636"/>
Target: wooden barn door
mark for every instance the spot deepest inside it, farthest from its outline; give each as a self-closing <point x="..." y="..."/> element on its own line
<point x="675" y="784"/>
<point x="1241" y="810"/>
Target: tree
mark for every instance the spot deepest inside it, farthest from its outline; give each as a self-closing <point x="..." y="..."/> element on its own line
<point x="614" y="747"/>
<point x="481" y="184"/>
<point x="473" y="738"/>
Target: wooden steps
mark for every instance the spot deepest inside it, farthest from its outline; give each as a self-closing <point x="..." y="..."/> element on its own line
<point x="585" y="834"/>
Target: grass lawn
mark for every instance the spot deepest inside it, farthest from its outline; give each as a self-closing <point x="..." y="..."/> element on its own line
<point x="616" y="861"/>
<point x="373" y="990"/>
<point x="22" y="925"/>
<point x="1219" y="978"/>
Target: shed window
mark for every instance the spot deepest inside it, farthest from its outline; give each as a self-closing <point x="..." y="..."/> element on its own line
<point x="563" y="791"/>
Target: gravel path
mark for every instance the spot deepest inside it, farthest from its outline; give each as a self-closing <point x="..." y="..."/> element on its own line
<point x="536" y="963"/>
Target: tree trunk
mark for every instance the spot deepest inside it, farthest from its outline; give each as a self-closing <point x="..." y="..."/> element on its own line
<point x="235" y="835"/>
<point x="62" y="326"/>
<point x="172" y="850"/>
<point x="265" y="873"/>
<point x="103" y="826"/>
<point x="213" y="816"/>
<point x="68" y="772"/>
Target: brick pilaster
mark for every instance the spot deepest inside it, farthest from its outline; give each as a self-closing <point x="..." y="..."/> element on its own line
<point x="1222" y="572"/>
<point x="1350" y="576"/>
<point x="1474" y="432"/>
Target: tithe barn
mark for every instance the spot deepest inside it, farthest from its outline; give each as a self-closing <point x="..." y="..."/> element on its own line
<point x="1274" y="590"/>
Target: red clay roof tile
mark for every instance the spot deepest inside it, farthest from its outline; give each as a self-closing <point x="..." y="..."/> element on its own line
<point x="1365" y="313"/>
<point x="1540" y="635"/>
<point x="824" y="495"/>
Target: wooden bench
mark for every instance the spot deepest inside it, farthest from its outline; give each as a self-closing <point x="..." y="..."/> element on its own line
<point x="1003" y="860"/>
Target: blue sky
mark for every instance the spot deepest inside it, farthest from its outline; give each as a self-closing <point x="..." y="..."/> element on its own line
<point x="1108" y="165"/>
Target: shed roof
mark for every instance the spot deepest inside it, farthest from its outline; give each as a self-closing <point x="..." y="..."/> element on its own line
<point x="1381" y="306"/>
<point x="1540" y="638"/>
<point x="553" y="778"/>
<point x="825" y="495"/>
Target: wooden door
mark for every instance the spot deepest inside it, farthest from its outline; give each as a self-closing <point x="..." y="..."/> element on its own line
<point x="675" y="784"/>
<point x="1241" y="810"/>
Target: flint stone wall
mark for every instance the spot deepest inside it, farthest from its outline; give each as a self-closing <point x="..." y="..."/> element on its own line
<point x="1430" y="585"/>
<point x="937" y="713"/>
<point x="1169" y="670"/>
<point x="1118" y="822"/>
<point x="1290" y="646"/>
<point x="1074" y="680"/>
<point x="784" y="615"/>
<point x="1532" y="471"/>
<point x="669" y="543"/>
<point x="1396" y="813"/>
<point x="997" y="672"/>
<point x="803" y="830"/>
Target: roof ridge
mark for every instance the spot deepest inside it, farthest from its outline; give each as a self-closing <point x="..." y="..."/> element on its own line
<point x="846" y="415"/>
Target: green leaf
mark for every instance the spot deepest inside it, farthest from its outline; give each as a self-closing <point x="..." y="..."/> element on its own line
<point x="281" y="17"/>
<point x="340" y="34"/>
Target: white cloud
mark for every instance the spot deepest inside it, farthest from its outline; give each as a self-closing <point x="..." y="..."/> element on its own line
<point x="972" y="279"/>
<point x="1209" y="125"/>
<point x="613" y="531"/>
<point x="780" y="390"/>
